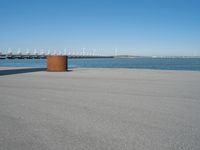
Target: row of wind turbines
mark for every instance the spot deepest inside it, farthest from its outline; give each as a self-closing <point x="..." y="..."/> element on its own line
<point x="42" y="54"/>
<point x="83" y="52"/>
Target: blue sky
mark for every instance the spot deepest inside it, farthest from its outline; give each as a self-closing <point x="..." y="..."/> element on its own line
<point x="139" y="27"/>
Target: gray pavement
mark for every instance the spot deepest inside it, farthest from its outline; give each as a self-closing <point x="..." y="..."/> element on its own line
<point x="100" y="109"/>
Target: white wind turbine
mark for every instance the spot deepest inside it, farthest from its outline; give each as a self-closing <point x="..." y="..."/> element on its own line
<point x="83" y="51"/>
<point x="19" y="52"/>
<point x="65" y="51"/>
<point x="116" y="52"/>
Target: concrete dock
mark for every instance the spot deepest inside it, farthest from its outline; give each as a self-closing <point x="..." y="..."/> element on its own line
<point x="99" y="109"/>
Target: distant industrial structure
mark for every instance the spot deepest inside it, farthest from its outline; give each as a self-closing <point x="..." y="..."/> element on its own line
<point x="78" y="55"/>
<point x="43" y="55"/>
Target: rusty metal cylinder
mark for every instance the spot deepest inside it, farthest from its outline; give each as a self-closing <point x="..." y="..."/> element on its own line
<point x="57" y="63"/>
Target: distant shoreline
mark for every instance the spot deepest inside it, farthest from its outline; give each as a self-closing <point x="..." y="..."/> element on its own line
<point x="130" y="56"/>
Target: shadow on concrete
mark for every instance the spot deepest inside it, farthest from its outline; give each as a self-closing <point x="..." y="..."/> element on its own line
<point x="20" y="71"/>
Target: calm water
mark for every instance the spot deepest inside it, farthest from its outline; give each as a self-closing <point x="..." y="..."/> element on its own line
<point x="142" y="63"/>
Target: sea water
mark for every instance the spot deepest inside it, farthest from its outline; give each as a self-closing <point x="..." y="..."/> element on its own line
<point x="139" y="63"/>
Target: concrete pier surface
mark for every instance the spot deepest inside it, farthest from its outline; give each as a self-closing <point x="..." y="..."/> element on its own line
<point x="99" y="109"/>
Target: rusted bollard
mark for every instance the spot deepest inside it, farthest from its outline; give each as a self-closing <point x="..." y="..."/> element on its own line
<point x="57" y="63"/>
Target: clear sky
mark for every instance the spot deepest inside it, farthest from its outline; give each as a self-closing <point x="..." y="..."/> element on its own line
<point x="140" y="27"/>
